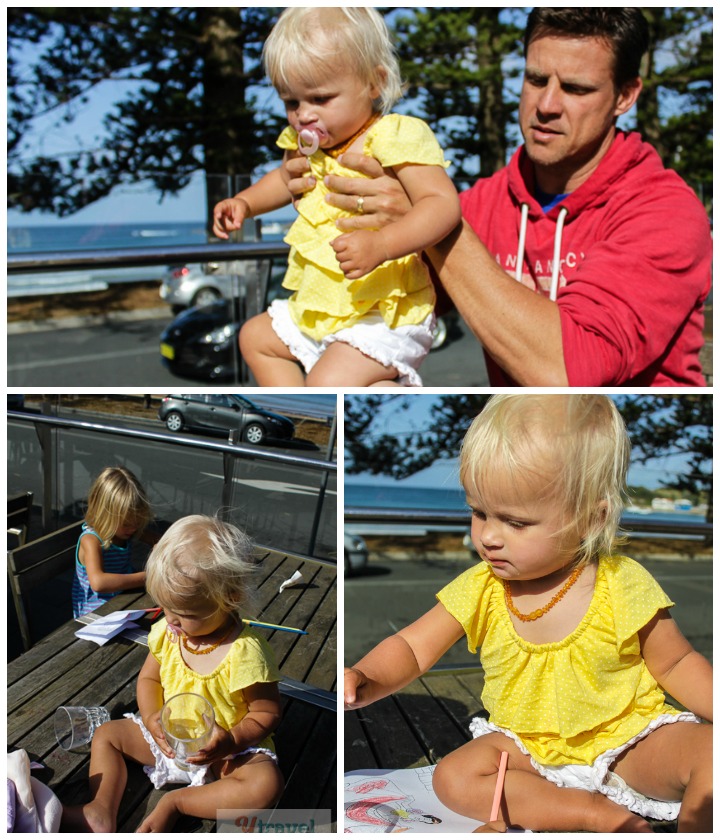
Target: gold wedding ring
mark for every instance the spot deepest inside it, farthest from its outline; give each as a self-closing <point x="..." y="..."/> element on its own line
<point x="361" y="205"/>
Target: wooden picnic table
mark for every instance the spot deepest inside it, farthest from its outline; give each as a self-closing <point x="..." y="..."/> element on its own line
<point x="64" y="670"/>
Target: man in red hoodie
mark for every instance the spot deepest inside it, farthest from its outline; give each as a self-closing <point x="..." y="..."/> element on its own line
<point x="584" y="262"/>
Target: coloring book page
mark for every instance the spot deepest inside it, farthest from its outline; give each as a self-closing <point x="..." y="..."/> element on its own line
<point x="390" y="801"/>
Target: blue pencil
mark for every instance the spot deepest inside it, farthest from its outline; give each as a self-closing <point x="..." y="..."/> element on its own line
<point x="273" y="626"/>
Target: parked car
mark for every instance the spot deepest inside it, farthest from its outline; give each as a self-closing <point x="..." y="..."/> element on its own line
<point x="201" y="342"/>
<point x="355" y="553"/>
<point x="184" y="286"/>
<point x="223" y="413"/>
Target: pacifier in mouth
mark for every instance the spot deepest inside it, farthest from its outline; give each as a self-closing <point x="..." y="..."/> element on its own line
<point x="308" y="141"/>
<point x="173" y="631"/>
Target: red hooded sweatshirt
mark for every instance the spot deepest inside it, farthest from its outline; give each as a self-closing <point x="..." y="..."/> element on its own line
<point x="634" y="264"/>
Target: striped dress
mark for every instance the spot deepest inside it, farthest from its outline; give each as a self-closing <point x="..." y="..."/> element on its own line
<point x="116" y="560"/>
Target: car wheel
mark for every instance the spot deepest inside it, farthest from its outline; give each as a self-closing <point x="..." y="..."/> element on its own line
<point x="254" y="433"/>
<point x="440" y="334"/>
<point x="205" y="296"/>
<point x="174" y="421"/>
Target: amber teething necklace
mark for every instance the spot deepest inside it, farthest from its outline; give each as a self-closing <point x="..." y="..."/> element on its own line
<point x="533" y="616"/>
<point x="209" y="649"/>
<point x="336" y="151"/>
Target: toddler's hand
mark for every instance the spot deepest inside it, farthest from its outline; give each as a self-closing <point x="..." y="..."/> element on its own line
<point x="360" y="252"/>
<point x="495" y="827"/>
<point x="355" y="681"/>
<point x="220" y="745"/>
<point x="229" y="215"/>
<point x="154" y="727"/>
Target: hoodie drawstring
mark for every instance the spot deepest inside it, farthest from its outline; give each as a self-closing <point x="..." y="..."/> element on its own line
<point x="556" y="253"/>
<point x="524" y="208"/>
<point x="521" y="243"/>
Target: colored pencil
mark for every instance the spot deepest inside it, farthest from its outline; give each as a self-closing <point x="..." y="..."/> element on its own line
<point x="495" y="810"/>
<point x="273" y="626"/>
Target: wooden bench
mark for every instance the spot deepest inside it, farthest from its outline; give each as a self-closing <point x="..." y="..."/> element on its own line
<point x="19" y="508"/>
<point x="37" y="562"/>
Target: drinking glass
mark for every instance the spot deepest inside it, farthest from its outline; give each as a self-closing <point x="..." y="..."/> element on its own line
<point x="187" y="721"/>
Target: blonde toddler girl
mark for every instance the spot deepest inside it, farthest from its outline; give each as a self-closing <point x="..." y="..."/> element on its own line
<point x="361" y="312"/>
<point x="118" y="510"/>
<point x="576" y="642"/>
<point x="200" y="573"/>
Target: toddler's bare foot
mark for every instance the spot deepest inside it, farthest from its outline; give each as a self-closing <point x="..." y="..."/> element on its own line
<point x="161" y="818"/>
<point x="90" y="817"/>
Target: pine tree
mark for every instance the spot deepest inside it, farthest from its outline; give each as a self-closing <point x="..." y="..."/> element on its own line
<point x="190" y="108"/>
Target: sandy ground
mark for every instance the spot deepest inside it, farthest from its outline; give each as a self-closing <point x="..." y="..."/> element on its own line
<point x="120" y="297"/>
<point x="439" y="543"/>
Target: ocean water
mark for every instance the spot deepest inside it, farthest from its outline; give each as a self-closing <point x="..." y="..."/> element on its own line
<point x="44" y="238"/>
<point x="396" y="497"/>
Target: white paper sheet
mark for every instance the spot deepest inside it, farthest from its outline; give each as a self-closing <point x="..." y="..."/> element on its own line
<point x="390" y="801"/>
<point x="101" y="630"/>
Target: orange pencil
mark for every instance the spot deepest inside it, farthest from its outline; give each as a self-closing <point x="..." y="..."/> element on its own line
<point x="495" y="810"/>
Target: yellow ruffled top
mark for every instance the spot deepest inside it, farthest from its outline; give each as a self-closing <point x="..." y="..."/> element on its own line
<point x="250" y="660"/>
<point x="323" y="300"/>
<point x="572" y="700"/>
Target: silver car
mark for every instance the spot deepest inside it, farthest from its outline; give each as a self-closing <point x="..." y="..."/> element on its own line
<point x="184" y="286"/>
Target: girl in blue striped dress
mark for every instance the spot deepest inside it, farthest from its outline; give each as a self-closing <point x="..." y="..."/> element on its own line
<point x="118" y="509"/>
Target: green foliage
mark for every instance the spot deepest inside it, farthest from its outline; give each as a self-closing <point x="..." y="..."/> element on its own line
<point x="185" y="107"/>
<point x="380" y="453"/>
<point x="455" y="62"/>
<point x="658" y="426"/>
<point x="675" y="109"/>
<point x="664" y="425"/>
<point x="185" y="77"/>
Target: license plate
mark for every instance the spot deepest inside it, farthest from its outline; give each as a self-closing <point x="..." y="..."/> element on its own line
<point x="167" y="351"/>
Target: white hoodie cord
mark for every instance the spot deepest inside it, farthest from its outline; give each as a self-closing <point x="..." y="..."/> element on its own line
<point x="556" y="254"/>
<point x="521" y="243"/>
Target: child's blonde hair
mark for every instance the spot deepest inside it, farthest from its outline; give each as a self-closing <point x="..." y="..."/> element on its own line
<point x="307" y="42"/>
<point x="576" y="446"/>
<point x="205" y="558"/>
<point x="115" y="497"/>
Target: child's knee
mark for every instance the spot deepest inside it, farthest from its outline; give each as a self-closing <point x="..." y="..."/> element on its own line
<point x="449" y="781"/>
<point x="251" y="334"/>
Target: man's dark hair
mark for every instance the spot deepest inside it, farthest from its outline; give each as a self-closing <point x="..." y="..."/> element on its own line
<point x="626" y="30"/>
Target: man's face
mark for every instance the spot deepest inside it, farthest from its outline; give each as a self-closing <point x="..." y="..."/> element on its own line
<point x="568" y="108"/>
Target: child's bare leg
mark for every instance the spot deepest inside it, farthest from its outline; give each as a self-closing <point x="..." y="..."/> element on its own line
<point x="465" y="781"/>
<point x="675" y="763"/>
<point x="269" y="359"/>
<point x="111" y="744"/>
<point x="342" y="365"/>
<point x="251" y="783"/>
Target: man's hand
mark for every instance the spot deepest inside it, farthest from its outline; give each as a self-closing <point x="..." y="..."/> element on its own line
<point x="298" y="180"/>
<point x="360" y="252"/>
<point x="384" y="199"/>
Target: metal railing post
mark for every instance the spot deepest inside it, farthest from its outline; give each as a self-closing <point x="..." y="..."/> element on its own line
<point x="323" y="487"/>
